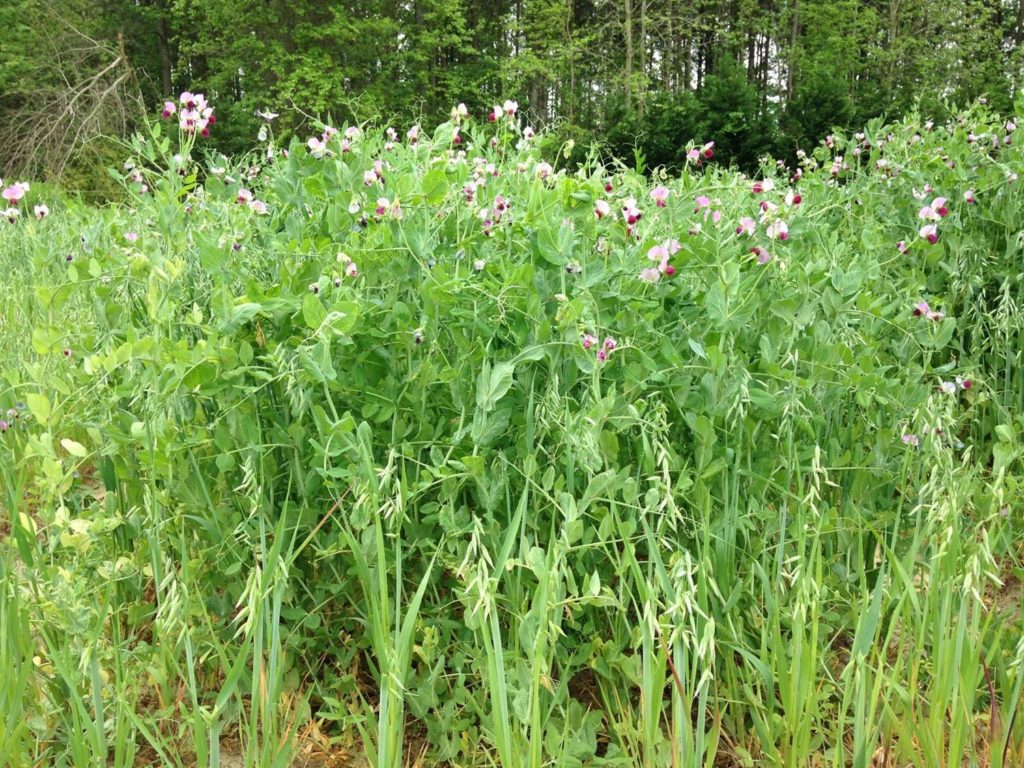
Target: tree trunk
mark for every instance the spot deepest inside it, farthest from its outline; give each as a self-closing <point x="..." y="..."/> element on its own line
<point x="163" y="41"/>
<point x="629" y="54"/>
<point x="793" y="34"/>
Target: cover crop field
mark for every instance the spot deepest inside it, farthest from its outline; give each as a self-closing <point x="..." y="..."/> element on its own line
<point x="410" y="448"/>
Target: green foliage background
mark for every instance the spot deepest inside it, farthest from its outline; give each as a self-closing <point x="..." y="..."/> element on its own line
<point x="754" y="75"/>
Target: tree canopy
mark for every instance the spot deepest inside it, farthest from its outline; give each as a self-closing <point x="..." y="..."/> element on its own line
<point x="639" y="77"/>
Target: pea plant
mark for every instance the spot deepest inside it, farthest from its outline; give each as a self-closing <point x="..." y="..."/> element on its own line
<point x="424" y="448"/>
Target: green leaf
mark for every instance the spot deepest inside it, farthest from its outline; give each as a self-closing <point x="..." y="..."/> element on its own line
<point x="74" y="448"/>
<point x="39" y="405"/>
<point x="435" y="186"/>
<point x="493" y="384"/>
<point x="313" y="311"/>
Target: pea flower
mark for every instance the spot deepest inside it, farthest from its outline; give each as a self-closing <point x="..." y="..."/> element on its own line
<point x="921" y="309"/>
<point x="762" y="254"/>
<point x="352" y="270"/>
<point x="244" y="196"/>
<point x="602" y="209"/>
<point x="413" y="135"/>
<point x="196" y="115"/>
<point x="543" y="170"/>
<point x="510" y="107"/>
<point x="778" y="229"/>
<point x="15" y="192"/>
<point x="131" y="237"/>
<point x="969" y="196"/>
<point x="41" y="212"/>
<point x="317" y="147"/>
<point x="369" y="177"/>
<point x="169" y="109"/>
<point x="930" y="233"/>
<point x="747" y="225"/>
<point x="630" y="213"/>
<point x="258" y="207"/>
<point x="964" y="383"/>
<point x="588" y="340"/>
<point x="702" y="201"/>
<point x="706" y="152"/>
<point x="660" y="196"/>
<point x="650" y="275"/>
<point x="382" y="206"/>
<point x="910" y="439"/>
<point x="765" y="185"/>
<point x="947" y="387"/>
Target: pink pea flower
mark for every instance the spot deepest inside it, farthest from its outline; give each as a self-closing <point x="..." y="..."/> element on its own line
<point x="601" y="356"/>
<point x="510" y="107"/>
<point x="947" y="387"/>
<point x="964" y="383"/>
<point x="693" y="156"/>
<point x="244" y="196"/>
<point x="708" y="150"/>
<point x="930" y="233"/>
<point x="382" y="206"/>
<point x="413" y="135"/>
<point x="650" y="274"/>
<point x="602" y="209"/>
<point x="258" y="206"/>
<point x="793" y="198"/>
<point x="369" y="177"/>
<point x="610" y="344"/>
<point x="493" y="114"/>
<point x="317" y="147"/>
<point x="41" y="212"/>
<point x="660" y="196"/>
<point x="747" y="225"/>
<point x="762" y="254"/>
<point x="14" y="192"/>
<point x="528" y="133"/>
<point x="702" y="201"/>
<point x="969" y="196"/>
<point x="921" y="309"/>
<point x="765" y="185"/>
<point x="902" y="246"/>
<point x="543" y="170"/>
<point x="169" y="109"/>
<point x="352" y="270"/>
<point x="630" y="213"/>
<point x="131" y="237"/>
<point x="778" y="229"/>
<point x="658" y="253"/>
<point x="910" y="439"/>
<point x="588" y="340"/>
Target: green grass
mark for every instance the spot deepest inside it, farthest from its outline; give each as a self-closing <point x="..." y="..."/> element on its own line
<point x="412" y="512"/>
